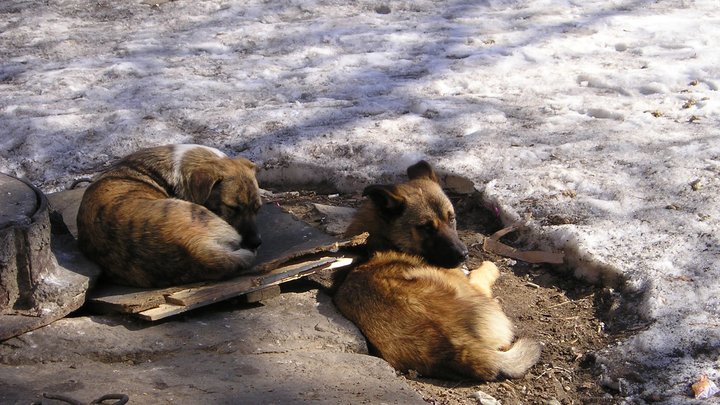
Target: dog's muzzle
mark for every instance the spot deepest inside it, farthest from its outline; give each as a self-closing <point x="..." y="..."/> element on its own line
<point x="445" y="250"/>
<point x="251" y="242"/>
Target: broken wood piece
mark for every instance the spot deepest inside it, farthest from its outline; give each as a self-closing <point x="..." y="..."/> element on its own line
<point x="262" y="295"/>
<point x="508" y="229"/>
<point x="492" y="244"/>
<point x="334" y="247"/>
<point x="200" y="296"/>
<point x="161" y="311"/>
<point x="130" y="300"/>
<point x="209" y="293"/>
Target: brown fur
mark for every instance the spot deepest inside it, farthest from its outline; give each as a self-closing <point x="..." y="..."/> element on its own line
<point x="415" y="310"/>
<point x="171" y="215"/>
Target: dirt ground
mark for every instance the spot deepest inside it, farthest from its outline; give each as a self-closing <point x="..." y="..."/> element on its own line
<point x="565" y="314"/>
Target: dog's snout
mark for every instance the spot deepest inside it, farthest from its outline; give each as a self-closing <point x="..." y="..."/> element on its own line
<point x="251" y="242"/>
<point x="446" y="251"/>
<point x="456" y="248"/>
<point x="461" y="253"/>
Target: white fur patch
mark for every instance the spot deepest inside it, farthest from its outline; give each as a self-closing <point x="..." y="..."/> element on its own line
<point x="226" y="240"/>
<point x="243" y="257"/>
<point x="179" y="152"/>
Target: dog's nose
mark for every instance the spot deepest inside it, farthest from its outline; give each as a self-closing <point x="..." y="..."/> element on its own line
<point x="251" y="242"/>
<point x="460" y="250"/>
<point x="462" y="255"/>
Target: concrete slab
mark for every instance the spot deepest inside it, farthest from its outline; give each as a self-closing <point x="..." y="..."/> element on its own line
<point x="276" y="353"/>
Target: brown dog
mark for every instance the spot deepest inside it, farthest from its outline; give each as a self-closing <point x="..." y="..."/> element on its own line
<point x="171" y="215"/>
<point x="417" y="310"/>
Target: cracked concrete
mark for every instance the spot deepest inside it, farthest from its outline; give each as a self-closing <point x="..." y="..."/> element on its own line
<point x="279" y="352"/>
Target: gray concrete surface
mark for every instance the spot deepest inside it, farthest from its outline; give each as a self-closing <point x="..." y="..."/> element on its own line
<point x="294" y="349"/>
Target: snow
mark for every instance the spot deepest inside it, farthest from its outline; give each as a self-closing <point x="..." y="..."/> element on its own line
<point x="604" y="113"/>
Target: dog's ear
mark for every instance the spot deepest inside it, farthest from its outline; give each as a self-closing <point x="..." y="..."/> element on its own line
<point x="386" y="198"/>
<point x="422" y="170"/>
<point x="250" y="165"/>
<point x="201" y="184"/>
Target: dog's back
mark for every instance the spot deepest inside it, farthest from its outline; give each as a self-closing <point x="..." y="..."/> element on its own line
<point x="143" y="222"/>
<point x="417" y="310"/>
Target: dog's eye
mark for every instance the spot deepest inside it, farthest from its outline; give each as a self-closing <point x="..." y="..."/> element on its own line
<point x="241" y="208"/>
<point x="427" y="227"/>
<point x="250" y="208"/>
<point x="451" y="218"/>
<point x="236" y="208"/>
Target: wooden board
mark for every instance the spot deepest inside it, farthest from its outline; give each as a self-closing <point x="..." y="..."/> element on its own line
<point x="262" y="295"/>
<point x="114" y="298"/>
<point x="226" y="289"/>
<point x="195" y="297"/>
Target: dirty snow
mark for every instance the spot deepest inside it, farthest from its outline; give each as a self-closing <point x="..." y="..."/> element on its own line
<point x="593" y="122"/>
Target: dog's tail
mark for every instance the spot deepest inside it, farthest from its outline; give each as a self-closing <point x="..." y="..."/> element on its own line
<point x="516" y="361"/>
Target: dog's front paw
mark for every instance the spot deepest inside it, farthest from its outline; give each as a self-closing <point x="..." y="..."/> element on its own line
<point x="484" y="277"/>
<point x="244" y="258"/>
<point x="490" y="269"/>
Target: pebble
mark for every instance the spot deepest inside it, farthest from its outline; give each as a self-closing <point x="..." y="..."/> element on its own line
<point x="383" y="9"/>
<point x="484" y="398"/>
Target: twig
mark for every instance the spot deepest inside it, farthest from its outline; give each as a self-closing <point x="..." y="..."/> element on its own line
<point x="569" y="372"/>
<point x="569" y="301"/>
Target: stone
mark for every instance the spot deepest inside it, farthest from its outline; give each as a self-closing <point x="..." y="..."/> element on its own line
<point x="42" y="275"/>
<point x="458" y="184"/>
<point x="336" y="219"/>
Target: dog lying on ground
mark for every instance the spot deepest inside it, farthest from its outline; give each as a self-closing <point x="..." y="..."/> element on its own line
<point x="171" y="215"/>
<point x="417" y="310"/>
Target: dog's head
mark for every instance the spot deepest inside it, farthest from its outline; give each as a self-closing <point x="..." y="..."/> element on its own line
<point x="417" y="218"/>
<point x="228" y="188"/>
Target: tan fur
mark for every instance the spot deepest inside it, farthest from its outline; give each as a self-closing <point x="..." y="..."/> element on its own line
<point x="420" y="316"/>
<point x="171" y="215"/>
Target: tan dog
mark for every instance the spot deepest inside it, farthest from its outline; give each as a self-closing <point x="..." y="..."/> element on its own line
<point x="171" y="215"/>
<point x="417" y="310"/>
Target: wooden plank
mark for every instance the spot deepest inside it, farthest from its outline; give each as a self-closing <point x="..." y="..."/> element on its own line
<point x="335" y="248"/>
<point x="283" y="234"/>
<point x="261" y="295"/>
<point x="208" y="294"/>
<point x="161" y="311"/>
<point x="200" y="296"/>
<point x="129" y="300"/>
<point x="153" y="304"/>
